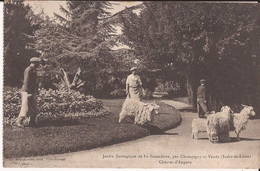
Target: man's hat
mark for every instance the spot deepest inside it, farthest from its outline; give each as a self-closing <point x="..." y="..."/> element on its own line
<point x="133" y="69"/>
<point x="202" y="80"/>
<point x="35" y="59"/>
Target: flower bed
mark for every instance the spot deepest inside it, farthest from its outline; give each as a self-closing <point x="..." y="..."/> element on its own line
<point x="55" y="105"/>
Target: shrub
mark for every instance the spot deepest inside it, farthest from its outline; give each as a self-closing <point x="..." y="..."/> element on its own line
<point x="147" y="94"/>
<point x="118" y="93"/>
<point x="55" y="105"/>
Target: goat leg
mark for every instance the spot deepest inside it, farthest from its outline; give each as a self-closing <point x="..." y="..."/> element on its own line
<point x="237" y="135"/>
<point x="194" y="135"/>
<point x="121" y="117"/>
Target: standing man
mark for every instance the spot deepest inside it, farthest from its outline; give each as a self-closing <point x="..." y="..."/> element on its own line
<point x="201" y="99"/>
<point x="133" y="85"/>
<point x="28" y="93"/>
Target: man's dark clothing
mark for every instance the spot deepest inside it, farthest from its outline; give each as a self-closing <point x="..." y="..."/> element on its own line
<point x="29" y="83"/>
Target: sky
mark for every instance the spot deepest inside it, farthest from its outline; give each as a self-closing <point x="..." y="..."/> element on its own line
<point x="49" y="7"/>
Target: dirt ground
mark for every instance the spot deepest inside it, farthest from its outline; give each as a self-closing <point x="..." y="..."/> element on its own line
<point x="174" y="149"/>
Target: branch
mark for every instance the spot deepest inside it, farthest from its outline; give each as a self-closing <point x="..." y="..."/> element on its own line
<point x="62" y="19"/>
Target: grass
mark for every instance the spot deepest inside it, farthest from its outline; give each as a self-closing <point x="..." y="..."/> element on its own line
<point x="83" y="134"/>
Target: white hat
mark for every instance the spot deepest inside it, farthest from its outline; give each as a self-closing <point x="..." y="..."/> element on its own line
<point x="133" y="69"/>
<point x="35" y="59"/>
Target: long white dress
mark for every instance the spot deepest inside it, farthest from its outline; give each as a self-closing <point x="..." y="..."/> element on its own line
<point x="134" y="83"/>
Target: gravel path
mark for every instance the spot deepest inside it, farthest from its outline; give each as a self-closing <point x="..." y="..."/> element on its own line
<point x="174" y="149"/>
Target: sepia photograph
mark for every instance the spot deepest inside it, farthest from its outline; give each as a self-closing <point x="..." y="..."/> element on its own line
<point x="131" y="84"/>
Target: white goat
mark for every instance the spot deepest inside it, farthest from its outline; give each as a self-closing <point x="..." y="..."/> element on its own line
<point x="142" y="112"/>
<point x="239" y="120"/>
<point x="199" y="125"/>
<point x="219" y="124"/>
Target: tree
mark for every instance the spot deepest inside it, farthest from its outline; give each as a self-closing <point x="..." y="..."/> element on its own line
<point x="83" y="38"/>
<point x="201" y="41"/>
<point x="17" y="23"/>
<point x="161" y="36"/>
<point x="80" y="40"/>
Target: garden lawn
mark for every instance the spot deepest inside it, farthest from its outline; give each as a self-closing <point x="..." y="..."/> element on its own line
<point x="83" y="134"/>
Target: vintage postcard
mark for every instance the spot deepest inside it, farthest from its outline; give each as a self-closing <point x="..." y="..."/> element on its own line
<point x="131" y="84"/>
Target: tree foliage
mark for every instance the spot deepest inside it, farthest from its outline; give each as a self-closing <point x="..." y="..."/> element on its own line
<point x="17" y="23"/>
<point x="82" y="37"/>
<point x="171" y="41"/>
<point x="212" y="41"/>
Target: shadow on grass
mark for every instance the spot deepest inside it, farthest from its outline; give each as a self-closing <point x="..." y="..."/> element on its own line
<point x="167" y="133"/>
<point x="203" y="139"/>
<point x="234" y="139"/>
<point x="155" y="130"/>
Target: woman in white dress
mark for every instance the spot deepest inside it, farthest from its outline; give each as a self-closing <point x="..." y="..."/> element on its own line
<point x="133" y="85"/>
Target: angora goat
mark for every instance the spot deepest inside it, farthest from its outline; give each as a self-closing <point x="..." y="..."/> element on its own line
<point x="199" y="125"/>
<point x="219" y="123"/>
<point x="142" y="112"/>
<point x="239" y="120"/>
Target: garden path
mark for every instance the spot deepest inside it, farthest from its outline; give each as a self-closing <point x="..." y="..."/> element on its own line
<point x="153" y="150"/>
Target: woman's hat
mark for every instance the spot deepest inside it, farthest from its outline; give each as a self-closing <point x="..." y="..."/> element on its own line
<point x="133" y="69"/>
<point x="35" y="59"/>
